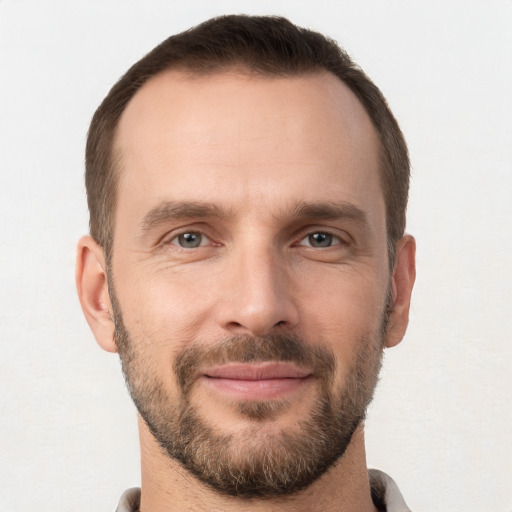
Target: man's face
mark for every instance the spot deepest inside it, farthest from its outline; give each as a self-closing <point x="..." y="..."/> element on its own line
<point x="250" y="273"/>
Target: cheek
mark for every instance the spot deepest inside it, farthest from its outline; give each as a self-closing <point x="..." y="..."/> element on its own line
<point x="343" y="312"/>
<point x="162" y="310"/>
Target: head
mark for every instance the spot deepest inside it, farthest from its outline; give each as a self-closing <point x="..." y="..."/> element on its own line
<point x="247" y="185"/>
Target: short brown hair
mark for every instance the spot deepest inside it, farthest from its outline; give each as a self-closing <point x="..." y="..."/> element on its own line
<point x="266" y="45"/>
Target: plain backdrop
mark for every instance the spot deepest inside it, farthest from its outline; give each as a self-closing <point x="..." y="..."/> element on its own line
<point x="441" y="420"/>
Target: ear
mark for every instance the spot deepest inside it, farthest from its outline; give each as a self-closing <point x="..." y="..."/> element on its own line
<point x="92" y="287"/>
<point x="402" y="282"/>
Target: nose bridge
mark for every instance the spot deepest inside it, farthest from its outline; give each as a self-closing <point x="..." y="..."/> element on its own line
<point x="260" y="293"/>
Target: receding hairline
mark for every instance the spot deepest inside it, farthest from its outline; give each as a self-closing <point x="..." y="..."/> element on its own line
<point x="182" y="72"/>
<point x="240" y="70"/>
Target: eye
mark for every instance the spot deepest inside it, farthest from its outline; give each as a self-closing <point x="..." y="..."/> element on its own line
<point x="320" y="239"/>
<point x="190" y="240"/>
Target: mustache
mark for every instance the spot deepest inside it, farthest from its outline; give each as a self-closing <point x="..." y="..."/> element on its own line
<point x="249" y="349"/>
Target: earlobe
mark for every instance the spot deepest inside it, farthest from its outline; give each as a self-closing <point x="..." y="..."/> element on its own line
<point x="404" y="275"/>
<point x="92" y="288"/>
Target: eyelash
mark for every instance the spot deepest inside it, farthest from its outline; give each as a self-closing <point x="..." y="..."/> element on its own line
<point x="188" y="232"/>
<point x="335" y="240"/>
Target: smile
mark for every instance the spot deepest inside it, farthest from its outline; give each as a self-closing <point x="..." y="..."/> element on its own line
<point x="262" y="381"/>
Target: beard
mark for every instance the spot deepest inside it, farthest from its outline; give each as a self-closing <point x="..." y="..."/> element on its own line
<point x="253" y="462"/>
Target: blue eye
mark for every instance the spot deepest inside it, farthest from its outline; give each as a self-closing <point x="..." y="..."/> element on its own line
<point x="189" y="240"/>
<point x="320" y="239"/>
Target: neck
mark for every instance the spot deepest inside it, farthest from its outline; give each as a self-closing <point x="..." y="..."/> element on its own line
<point x="166" y="485"/>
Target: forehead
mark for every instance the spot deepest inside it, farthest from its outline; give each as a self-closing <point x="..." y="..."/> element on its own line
<point x="231" y="137"/>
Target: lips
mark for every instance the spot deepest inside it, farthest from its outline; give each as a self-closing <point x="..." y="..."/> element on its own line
<point x="261" y="371"/>
<point x="257" y="381"/>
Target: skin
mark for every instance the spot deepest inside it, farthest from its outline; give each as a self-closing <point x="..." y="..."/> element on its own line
<point x="255" y="148"/>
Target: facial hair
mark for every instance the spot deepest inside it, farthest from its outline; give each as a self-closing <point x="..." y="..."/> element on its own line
<point x="251" y="463"/>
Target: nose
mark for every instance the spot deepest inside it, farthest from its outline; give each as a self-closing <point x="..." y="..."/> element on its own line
<point x="258" y="294"/>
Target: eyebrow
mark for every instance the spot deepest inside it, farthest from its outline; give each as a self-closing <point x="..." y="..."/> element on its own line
<point x="329" y="211"/>
<point x="174" y="210"/>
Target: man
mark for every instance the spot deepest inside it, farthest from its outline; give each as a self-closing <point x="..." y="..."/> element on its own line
<point x="247" y="187"/>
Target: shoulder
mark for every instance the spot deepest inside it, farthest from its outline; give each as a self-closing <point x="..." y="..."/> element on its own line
<point x="385" y="493"/>
<point x="130" y="501"/>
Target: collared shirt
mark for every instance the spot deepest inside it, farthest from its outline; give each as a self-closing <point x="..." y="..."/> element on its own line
<point x="385" y="494"/>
